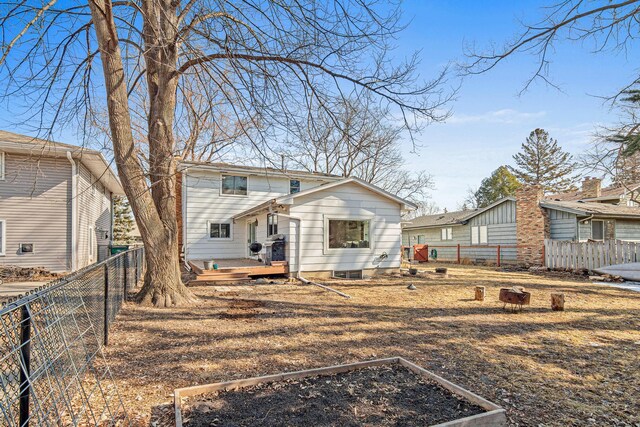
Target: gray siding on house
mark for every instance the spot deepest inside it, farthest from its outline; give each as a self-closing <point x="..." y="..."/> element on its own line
<point x="94" y="210"/>
<point x="563" y="225"/>
<point x="501" y="230"/>
<point x="34" y="203"/>
<point x="627" y="229"/>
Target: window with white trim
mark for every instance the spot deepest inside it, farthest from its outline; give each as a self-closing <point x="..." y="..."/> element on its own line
<point x="3" y="236"/>
<point x="219" y="230"/>
<point x="234" y="185"/>
<point x="1" y="166"/>
<point x="349" y="234"/>
<point x="597" y="230"/>
<point x="272" y="224"/>
<point x="421" y="239"/>
<point x="479" y="235"/>
<point x="446" y="233"/>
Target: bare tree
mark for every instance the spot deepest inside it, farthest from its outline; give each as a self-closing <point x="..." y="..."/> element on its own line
<point x="360" y="139"/>
<point x="268" y="62"/>
<point x="603" y="24"/>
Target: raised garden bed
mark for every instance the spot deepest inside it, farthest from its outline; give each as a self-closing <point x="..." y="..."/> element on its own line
<point x="381" y="392"/>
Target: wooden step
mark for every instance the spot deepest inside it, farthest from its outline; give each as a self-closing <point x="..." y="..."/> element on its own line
<point x="218" y="281"/>
<point x="222" y="275"/>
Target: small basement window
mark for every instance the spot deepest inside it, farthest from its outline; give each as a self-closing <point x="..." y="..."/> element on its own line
<point x="347" y="274"/>
<point x="236" y="185"/>
<point x="350" y="234"/>
<point x="597" y="230"/>
<point x="272" y="224"/>
<point x="26" y="248"/>
<point x="446" y="233"/>
<point x="294" y="186"/>
<point x="219" y="230"/>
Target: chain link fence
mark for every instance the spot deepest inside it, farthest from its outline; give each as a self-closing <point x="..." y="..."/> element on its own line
<point x="52" y="369"/>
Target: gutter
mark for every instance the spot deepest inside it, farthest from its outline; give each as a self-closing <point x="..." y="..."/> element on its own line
<point x="74" y="211"/>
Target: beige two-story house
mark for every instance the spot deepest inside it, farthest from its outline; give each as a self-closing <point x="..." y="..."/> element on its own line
<point x="55" y="203"/>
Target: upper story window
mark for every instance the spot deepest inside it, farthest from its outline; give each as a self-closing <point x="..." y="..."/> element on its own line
<point x="272" y="224"/>
<point x="236" y="185"/>
<point x="1" y="166"/>
<point x="294" y="186"/>
<point x="479" y="235"/>
<point x="446" y="233"/>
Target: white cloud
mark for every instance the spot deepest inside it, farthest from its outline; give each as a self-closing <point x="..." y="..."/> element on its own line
<point x="504" y="116"/>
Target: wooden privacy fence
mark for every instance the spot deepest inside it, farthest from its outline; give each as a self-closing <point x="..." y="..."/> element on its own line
<point x="589" y="255"/>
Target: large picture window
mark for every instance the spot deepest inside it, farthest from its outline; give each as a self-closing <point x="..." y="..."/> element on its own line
<point x="236" y="185"/>
<point x="349" y="234"/>
<point x="219" y="230"/>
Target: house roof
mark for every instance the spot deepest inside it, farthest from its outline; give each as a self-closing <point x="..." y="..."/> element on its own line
<point x="613" y="192"/>
<point x="94" y="160"/>
<point x="289" y="198"/>
<point x="256" y="170"/>
<point x="590" y="208"/>
<point x="451" y="218"/>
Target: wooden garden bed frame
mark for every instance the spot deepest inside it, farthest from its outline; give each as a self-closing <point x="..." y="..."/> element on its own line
<point x="494" y="417"/>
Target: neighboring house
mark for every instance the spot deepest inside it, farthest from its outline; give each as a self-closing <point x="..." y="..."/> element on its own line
<point x="521" y="224"/>
<point x="328" y="223"/>
<point x="55" y="203"/>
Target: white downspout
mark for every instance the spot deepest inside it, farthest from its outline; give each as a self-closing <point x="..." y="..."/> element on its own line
<point x="74" y="211"/>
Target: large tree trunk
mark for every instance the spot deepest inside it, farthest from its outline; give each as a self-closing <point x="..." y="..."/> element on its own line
<point x="154" y="210"/>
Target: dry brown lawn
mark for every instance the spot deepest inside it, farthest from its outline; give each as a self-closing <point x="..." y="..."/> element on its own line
<point x="578" y="367"/>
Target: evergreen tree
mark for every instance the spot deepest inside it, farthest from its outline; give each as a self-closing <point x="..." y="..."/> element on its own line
<point x="542" y="162"/>
<point x="500" y="184"/>
<point x="122" y="221"/>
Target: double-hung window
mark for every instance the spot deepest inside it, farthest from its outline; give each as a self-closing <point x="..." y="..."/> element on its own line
<point x="272" y="224"/>
<point x="219" y="230"/>
<point x="597" y="230"/>
<point x="479" y="235"/>
<point x="446" y="233"/>
<point x="236" y="185"/>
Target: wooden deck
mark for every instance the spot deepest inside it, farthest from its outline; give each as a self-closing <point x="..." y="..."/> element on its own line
<point x="236" y="270"/>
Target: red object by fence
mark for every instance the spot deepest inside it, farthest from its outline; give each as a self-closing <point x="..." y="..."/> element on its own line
<point x="421" y="253"/>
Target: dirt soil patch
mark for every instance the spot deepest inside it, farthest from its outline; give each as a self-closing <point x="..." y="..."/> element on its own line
<point x="578" y="367"/>
<point x="380" y="396"/>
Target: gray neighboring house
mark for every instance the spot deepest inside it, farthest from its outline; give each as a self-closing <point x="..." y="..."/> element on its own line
<point x="525" y="221"/>
<point x="55" y="203"/>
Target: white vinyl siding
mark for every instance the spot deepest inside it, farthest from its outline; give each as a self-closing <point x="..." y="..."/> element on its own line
<point x="446" y="233"/>
<point x="3" y="228"/>
<point x="203" y="202"/>
<point x="350" y="201"/>
<point x="94" y="213"/>
<point x="1" y="166"/>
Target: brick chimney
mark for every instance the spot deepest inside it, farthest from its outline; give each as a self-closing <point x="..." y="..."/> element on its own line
<point x="532" y="225"/>
<point x="591" y="188"/>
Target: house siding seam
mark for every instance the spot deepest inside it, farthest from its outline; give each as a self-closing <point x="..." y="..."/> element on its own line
<point x="34" y="203"/>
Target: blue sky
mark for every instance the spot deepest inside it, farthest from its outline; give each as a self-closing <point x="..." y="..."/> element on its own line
<point x="490" y="119"/>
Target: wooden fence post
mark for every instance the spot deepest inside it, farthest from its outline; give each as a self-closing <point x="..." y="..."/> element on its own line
<point x="458" y="253"/>
<point x="498" y="256"/>
<point x="427" y="249"/>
